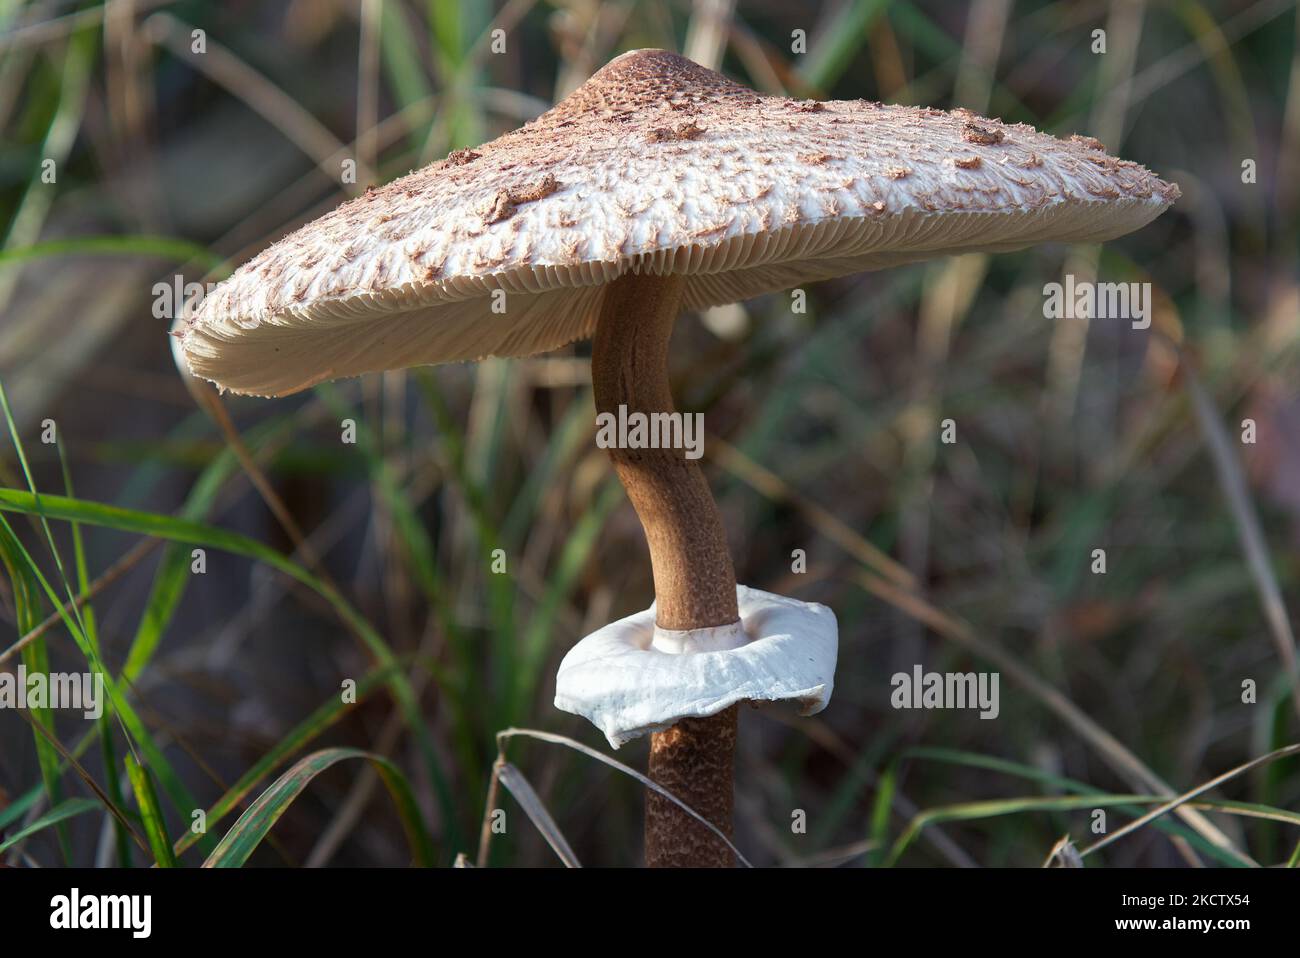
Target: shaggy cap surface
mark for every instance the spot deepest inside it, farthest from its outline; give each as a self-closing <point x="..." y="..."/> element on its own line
<point x="658" y="165"/>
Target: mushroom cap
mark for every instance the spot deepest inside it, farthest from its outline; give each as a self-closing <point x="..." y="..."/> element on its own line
<point x="658" y="165"/>
<point x="631" y="678"/>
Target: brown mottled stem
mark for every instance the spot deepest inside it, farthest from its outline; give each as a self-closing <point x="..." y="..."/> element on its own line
<point x="695" y="584"/>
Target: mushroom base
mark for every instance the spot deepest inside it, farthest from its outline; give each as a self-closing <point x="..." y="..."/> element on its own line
<point x="695" y="761"/>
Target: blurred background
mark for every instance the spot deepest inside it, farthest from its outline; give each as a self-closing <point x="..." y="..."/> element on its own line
<point x="147" y="145"/>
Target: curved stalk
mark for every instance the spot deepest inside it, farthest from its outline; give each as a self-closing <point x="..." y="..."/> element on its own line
<point x="695" y="584"/>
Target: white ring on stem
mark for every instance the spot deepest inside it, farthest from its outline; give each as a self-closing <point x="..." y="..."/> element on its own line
<point x="631" y="677"/>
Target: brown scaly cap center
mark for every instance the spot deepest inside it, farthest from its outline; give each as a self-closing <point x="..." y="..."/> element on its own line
<point x="636" y="82"/>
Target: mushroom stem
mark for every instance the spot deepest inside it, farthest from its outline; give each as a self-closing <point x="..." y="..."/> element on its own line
<point x="695" y="584"/>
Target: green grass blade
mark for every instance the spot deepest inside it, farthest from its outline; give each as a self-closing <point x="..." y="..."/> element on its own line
<point x="401" y="57"/>
<point x="155" y="246"/>
<point x="151" y="524"/>
<point x="880" y="812"/>
<point x="968" y="811"/>
<point x="254" y="825"/>
<point x="27" y="218"/>
<point x="55" y="816"/>
<point x="35" y="658"/>
<point x="839" y="43"/>
<point x="844" y="798"/>
<point x="150" y="812"/>
<point x="1069" y="785"/>
<point x="299" y="736"/>
<point x="17" y="809"/>
<point x="455" y="27"/>
<point x="105" y="721"/>
<point x="173" y="573"/>
<point x="79" y="556"/>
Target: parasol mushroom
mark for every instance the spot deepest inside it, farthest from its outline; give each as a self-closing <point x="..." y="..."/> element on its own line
<point x="657" y="186"/>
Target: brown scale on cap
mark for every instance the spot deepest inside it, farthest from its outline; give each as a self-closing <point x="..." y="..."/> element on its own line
<point x="683" y="131"/>
<point x="984" y="135"/>
<point x="507" y="201"/>
<point x="1089" y="142"/>
<point x="461" y="157"/>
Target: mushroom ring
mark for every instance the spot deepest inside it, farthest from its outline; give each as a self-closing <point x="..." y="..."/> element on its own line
<point x="631" y="677"/>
